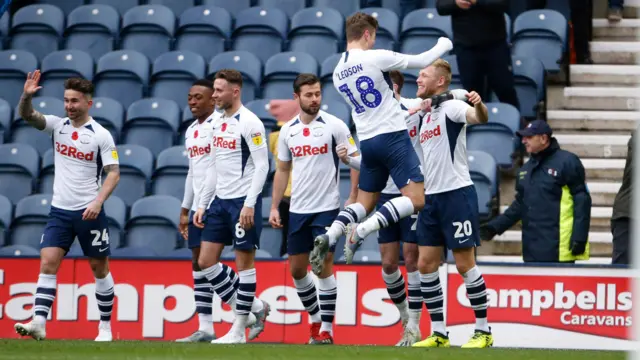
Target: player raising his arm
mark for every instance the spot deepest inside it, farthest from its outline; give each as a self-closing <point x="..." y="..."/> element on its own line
<point x="198" y="145"/>
<point x="361" y="76"/>
<point x="450" y="215"/>
<point x="237" y="172"/>
<point x="307" y="144"/>
<point x="81" y="147"/>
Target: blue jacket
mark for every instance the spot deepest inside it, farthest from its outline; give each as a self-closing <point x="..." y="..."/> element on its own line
<point x="554" y="204"/>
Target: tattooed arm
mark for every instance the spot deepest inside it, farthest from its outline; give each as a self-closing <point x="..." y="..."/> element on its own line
<point x="113" y="176"/>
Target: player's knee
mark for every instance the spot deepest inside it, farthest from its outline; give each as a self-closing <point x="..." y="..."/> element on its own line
<point x="410" y="261"/>
<point x="427" y="265"/>
<point x="204" y="263"/>
<point x="465" y="259"/>
<point x="389" y="266"/>
<point x="99" y="267"/>
<point x="49" y="265"/>
<point x="298" y="272"/>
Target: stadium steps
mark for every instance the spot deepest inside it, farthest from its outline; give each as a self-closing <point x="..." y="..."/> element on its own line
<point x="510" y="243"/>
<point x="602" y="169"/>
<point x="625" y="30"/>
<point x="593" y="120"/>
<point x="593" y="145"/>
<point x="600" y="218"/>
<point x="518" y="259"/>
<point x="601" y="98"/>
<point x="605" y="75"/>
<point x="615" y="52"/>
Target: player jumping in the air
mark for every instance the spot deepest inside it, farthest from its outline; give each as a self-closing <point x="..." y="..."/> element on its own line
<point x="450" y="216"/>
<point x="361" y="76"/>
<point x="237" y="172"/>
<point x="198" y="145"/>
<point x="307" y="144"/>
<point x="83" y="149"/>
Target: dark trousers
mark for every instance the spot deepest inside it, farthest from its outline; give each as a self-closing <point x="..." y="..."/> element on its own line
<point x="582" y="20"/>
<point x="620" y="231"/>
<point x="492" y="63"/>
<point x="616" y="4"/>
<point x="283" y="208"/>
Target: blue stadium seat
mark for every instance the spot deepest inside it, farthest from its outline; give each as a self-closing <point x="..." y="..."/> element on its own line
<point x="154" y="223"/>
<point x="393" y="5"/>
<point x="388" y="27"/>
<point x="316" y="31"/>
<point x="261" y="109"/>
<point x="344" y="186"/>
<point x="261" y="31"/>
<point x="4" y="27"/>
<point x="177" y="6"/>
<point x="116" y="211"/>
<point x="153" y="123"/>
<point x="504" y="114"/>
<point x="410" y="87"/>
<point x="507" y="24"/>
<point x="92" y="29"/>
<point x="47" y="171"/>
<point x="110" y="114"/>
<point x="338" y="109"/>
<point x="66" y="6"/>
<point x="247" y="63"/>
<point x="122" y="75"/>
<point x="21" y="132"/>
<point x="6" y="214"/>
<point x="134" y="252"/>
<point x="329" y="92"/>
<point x="421" y="30"/>
<point x="493" y="140"/>
<point x="233" y="7"/>
<point x="121" y="5"/>
<point x="263" y="254"/>
<point x="204" y="25"/>
<point x="180" y="254"/>
<point x="19" y="250"/>
<point x="456" y="81"/>
<point x="504" y="121"/>
<point x="37" y="29"/>
<point x="61" y="65"/>
<point x="5" y="119"/>
<point x="148" y="29"/>
<point x="271" y="240"/>
<point x="14" y="67"/>
<point x="290" y="7"/>
<point x="173" y="73"/>
<point x="171" y="170"/>
<point x="136" y="164"/>
<point x="540" y="34"/>
<point x="31" y="215"/>
<point x="266" y="207"/>
<point x="345" y="7"/>
<point x="187" y="120"/>
<point x="528" y="74"/>
<point x="484" y="174"/>
<point x="280" y="71"/>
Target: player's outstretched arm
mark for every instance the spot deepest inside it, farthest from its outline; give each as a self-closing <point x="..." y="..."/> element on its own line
<point x="425" y="59"/>
<point x="478" y="114"/>
<point x="113" y="177"/>
<point x="187" y="202"/>
<point x="280" y="181"/>
<point x="25" y="108"/>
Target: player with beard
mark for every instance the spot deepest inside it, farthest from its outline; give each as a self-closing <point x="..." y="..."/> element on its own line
<point x="307" y="152"/>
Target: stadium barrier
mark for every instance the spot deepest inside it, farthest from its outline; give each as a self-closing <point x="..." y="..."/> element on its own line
<point x="550" y="307"/>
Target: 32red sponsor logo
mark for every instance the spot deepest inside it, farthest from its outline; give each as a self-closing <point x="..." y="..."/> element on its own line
<point x="73" y="152"/>
<point x="428" y="134"/>
<point x="196" y="150"/>
<point x="308" y="150"/>
<point x="220" y="142"/>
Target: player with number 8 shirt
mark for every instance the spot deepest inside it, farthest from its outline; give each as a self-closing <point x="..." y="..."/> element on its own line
<point x="362" y="77"/>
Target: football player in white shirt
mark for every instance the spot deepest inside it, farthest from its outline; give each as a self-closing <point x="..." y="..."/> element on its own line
<point x="307" y="144"/>
<point x="237" y="172"/>
<point x="361" y="76"/>
<point x="198" y="146"/>
<point x="450" y="216"/>
<point x="83" y="149"/>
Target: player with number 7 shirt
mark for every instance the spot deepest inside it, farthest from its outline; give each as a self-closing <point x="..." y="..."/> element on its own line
<point x="362" y="78"/>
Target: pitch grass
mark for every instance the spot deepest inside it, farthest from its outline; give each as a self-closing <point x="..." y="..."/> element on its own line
<point x="133" y="350"/>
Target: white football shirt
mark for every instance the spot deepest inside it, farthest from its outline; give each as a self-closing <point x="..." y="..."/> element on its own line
<point x="443" y="137"/>
<point x="79" y="156"/>
<point x="361" y="77"/>
<point x="413" y="127"/>
<point x="197" y="143"/>
<point x="234" y="139"/>
<point x="315" y="164"/>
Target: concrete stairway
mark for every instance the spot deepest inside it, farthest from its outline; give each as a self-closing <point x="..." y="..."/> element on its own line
<point x="593" y="118"/>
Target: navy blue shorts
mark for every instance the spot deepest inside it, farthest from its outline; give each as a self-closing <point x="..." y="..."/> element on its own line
<point x="450" y="219"/>
<point x="303" y="228"/>
<point x="221" y="224"/>
<point x="64" y="225"/>
<point x="194" y="233"/>
<point x="404" y="231"/>
<point x="385" y="155"/>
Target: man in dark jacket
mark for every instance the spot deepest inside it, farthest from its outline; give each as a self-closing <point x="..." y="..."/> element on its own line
<point x="622" y="212"/>
<point x="552" y="201"/>
<point x="480" y="42"/>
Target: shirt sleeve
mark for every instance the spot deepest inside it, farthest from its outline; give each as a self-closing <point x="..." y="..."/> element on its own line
<point x="456" y="110"/>
<point x="343" y="136"/>
<point x="254" y="135"/>
<point x="108" y="151"/>
<point x="284" y="154"/>
<point x="51" y="121"/>
<point x="387" y="60"/>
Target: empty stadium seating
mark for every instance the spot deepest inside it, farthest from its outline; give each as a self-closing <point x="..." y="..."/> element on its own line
<point x="60" y="65"/>
<point x="30" y="218"/>
<point x="170" y="172"/>
<point x="153" y="223"/>
<point x="18" y="170"/>
<point x="6" y="216"/>
<point x="92" y="29"/>
<point x="204" y="24"/>
<point x="37" y="29"/>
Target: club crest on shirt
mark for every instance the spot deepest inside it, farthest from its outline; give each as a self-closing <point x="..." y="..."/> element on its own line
<point x="257" y="139"/>
<point x="85" y="139"/>
<point x="317" y="131"/>
<point x="114" y="154"/>
<point x="351" y="141"/>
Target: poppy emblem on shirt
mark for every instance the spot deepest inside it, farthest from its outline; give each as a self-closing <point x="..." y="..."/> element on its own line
<point x="195" y="134"/>
<point x="224" y="127"/>
<point x="306" y="132"/>
<point x="74" y="136"/>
